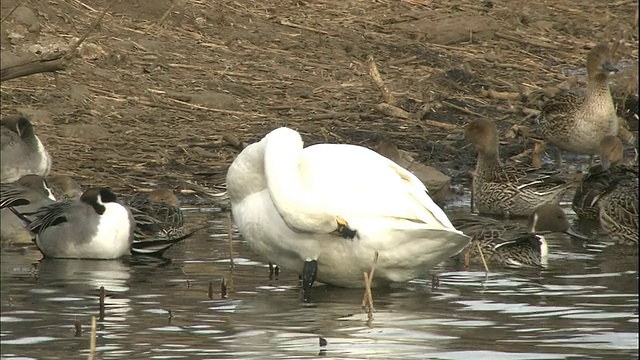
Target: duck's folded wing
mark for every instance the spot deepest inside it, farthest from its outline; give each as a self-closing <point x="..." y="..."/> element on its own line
<point x="541" y="180"/>
<point x="519" y="249"/>
<point x="146" y="225"/>
<point x="621" y="202"/>
<point x="482" y="228"/>
<point x="565" y="101"/>
<point x="165" y="215"/>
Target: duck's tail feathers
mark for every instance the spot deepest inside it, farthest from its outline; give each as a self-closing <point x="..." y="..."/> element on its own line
<point x="157" y="247"/>
<point x="21" y="216"/>
<point x="10" y="202"/>
<point x="25" y="220"/>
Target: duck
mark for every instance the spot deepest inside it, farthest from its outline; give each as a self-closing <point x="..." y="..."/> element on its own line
<point x="509" y="244"/>
<point x="618" y="210"/>
<point x="325" y="210"/>
<point x="577" y="120"/>
<point x="159" y="222"/>
<point x="28" y="193"/>
<point x="95" y="226"/>
<point x="600" y="177"/>
<point x="64" y="187"/>
<point x="508" y="189"/>
<point x="22" y="151"/>
<point x="161" y="204"/>
<point x="610" y="190"/>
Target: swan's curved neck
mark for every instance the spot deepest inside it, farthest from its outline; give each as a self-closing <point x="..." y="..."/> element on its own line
<point x="245" y="176"/>
<point x="301" y="209"/>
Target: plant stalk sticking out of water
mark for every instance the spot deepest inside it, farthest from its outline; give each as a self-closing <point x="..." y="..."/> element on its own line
<point x="230" y="232"/>
<point x="92" y="344"/>
<point x="367" y="300"/>
<point x="223" y="288"/>
<point x="484" y="262"/>
<point x="101" y="306"/>
<point x="185" y="275"/>
<point x="78" y="327"/>
<point x="273" y="270"/>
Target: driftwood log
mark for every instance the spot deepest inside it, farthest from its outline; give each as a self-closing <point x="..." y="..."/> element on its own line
<point x="50" y="63"/>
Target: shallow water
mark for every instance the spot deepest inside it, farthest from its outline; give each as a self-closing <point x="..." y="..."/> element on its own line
<point x="584" y="306"/>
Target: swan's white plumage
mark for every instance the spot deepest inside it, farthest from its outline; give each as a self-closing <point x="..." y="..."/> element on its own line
<point x="285" y="200"/>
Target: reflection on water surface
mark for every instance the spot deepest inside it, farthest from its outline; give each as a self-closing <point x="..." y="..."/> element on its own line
<point x="584" y="306"/>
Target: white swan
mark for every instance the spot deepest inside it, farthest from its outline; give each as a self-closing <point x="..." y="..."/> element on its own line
<point x="331" y="207"/>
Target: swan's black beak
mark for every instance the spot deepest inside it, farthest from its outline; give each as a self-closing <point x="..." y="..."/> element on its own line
<point x="576" y="234"/>
<point x="309" y="271"/>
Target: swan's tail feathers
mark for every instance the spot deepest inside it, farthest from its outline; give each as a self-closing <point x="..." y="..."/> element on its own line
<point x="450" y="242"/>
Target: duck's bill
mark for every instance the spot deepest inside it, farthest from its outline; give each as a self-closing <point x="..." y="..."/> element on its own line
<point x="576" y="234"/>
<point x="609" y="67"/>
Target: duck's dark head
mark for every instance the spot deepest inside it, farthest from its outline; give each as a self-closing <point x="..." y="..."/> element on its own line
<point x="98" y="197"/>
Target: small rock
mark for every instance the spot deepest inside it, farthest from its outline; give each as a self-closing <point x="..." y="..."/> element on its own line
<point x="25" y="16"/>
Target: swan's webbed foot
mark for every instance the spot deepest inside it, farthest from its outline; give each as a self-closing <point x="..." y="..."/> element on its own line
<point x="309" y="271"/>
<point x="344" y="230"/>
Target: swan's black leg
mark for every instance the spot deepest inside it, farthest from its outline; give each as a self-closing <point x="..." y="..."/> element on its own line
<point x="309" y="271"/>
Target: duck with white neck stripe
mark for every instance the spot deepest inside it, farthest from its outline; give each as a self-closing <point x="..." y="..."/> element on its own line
<point x="95" y="226"/>
<point x="510" y="244"/>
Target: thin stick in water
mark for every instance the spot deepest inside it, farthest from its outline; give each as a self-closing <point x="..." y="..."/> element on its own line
<point x="92" y="345"/>
<point x="101" y="306"/>
<point x="370" y="276"/>
<point x="484" y="262"/>
<point x="367" y="301"/>
<point x="186" y="276"/>
<point x="223" y="288"/>
<point x="78" y="327"/>
<point x="230" y="232"/>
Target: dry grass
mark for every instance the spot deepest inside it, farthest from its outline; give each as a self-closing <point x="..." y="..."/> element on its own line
<point x="170" y="84"/>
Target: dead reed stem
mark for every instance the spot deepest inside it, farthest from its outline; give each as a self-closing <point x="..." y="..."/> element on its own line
<point x="101" y="304"/>
<point x="367" y="300"/>
<point x="230" y="238"/>
<point x="484" y="262"/>
<point x="92" y="344"/>
<point x="377" y="79"/>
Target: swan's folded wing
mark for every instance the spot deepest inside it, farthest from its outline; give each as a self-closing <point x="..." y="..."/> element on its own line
<point x="355" y="181"/>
